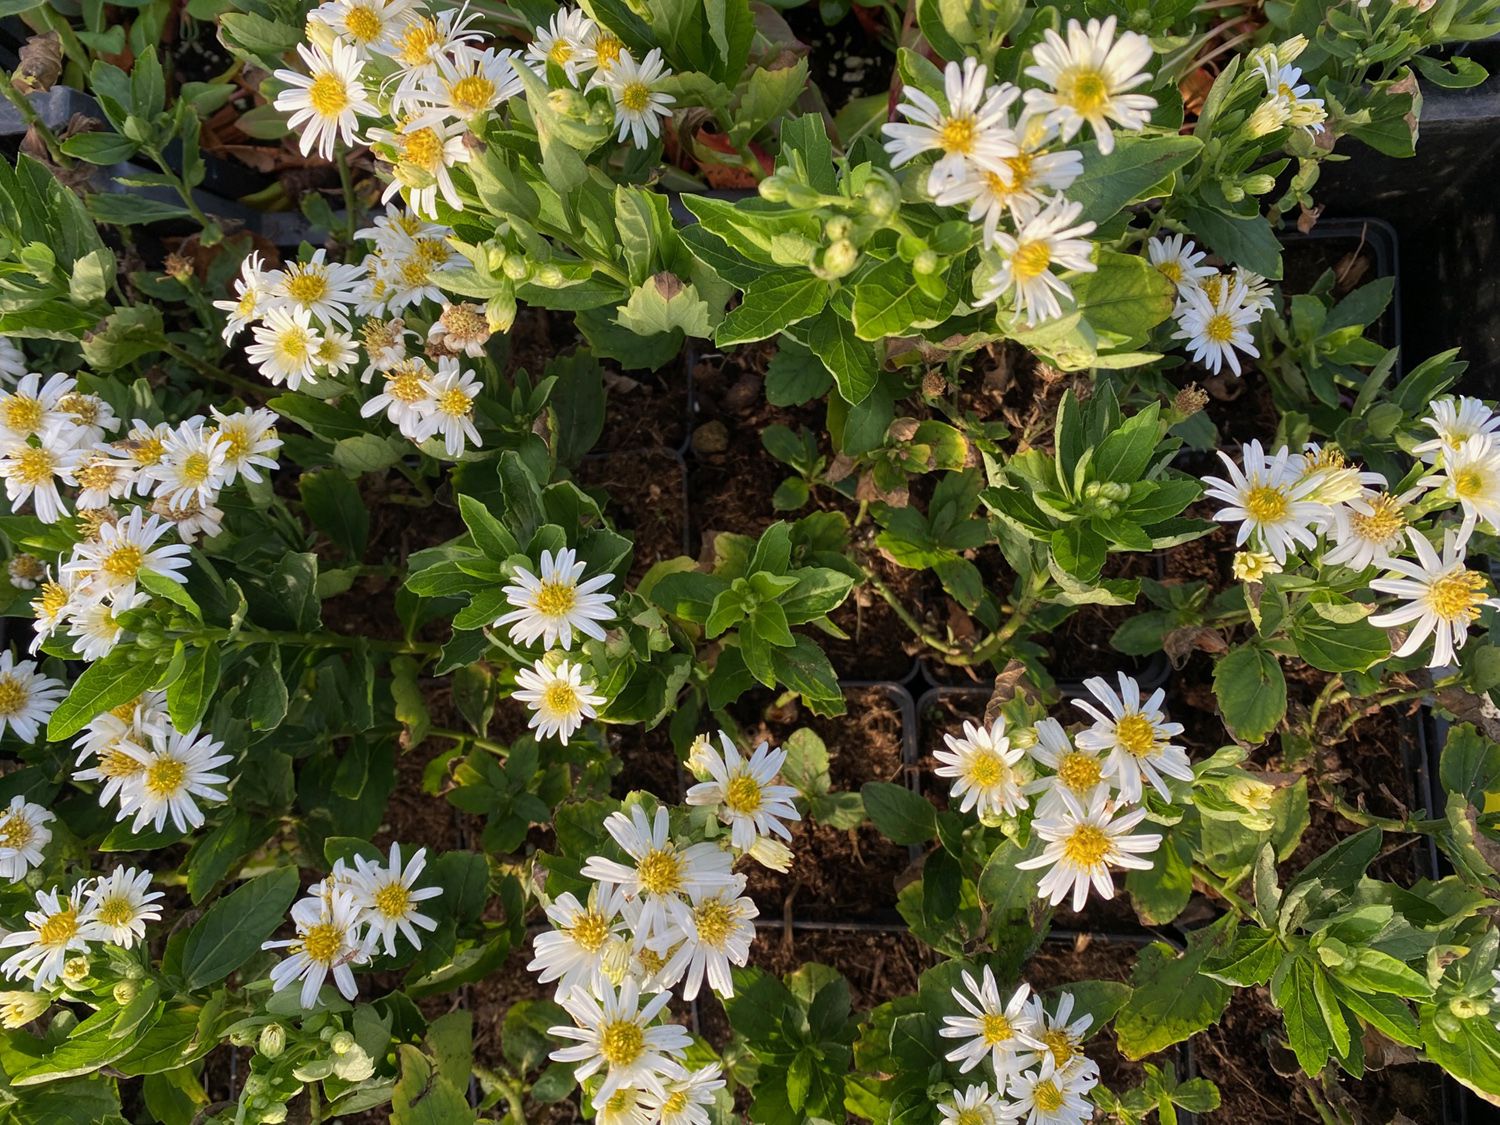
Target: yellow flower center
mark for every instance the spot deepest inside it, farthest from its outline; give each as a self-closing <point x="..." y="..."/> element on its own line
<point x="1171" y="269"/>
<point x="998" y="185"/>
<point x="1061" y="1044"/>
<point x="621" y="1043"/>
<point x="676" y="1102"/>
<point x="742" y="794"/>
<point x="15" y="829"/>
<point x="995" y="1028"/>
<point x="414" y="271"/>
<point x="1136" y="734"/>
<point x="1213" y="288"/>
<point x="23" y="413"/>
<point x="560" y="52"/>
<point x="1086" y="846"/>
<point x="1020" y="169"/>
<point x="147" y="450"/>
<point x="307" y="288"/>
<point x="1457" y="595"/>
<point x="560" y="697"/>
<point x="421" y="39"/>
<point x="50" y="602"/>
<point x="607" y="50"/>
<point x="1084" y="90"/>
<point x="1219" y="328"/>
<point x="472" y="93"/>
<point x="714" y="921"/>
<point x="650" y="960"/>
<point x="1266" y="503"/>
<point x="1079" y="772"/>
<point x="58" y="929"/>
<point x="248" y="302"/>
<point x="328" y="95"/>
<point x="422" y="147"/>
<point x="322" y="942"/>
<point x="1385" y="522"/>
<point x="635" y="96"/>
<point x="393" y="900"/>
<point x="1468" y="483"/>
<point x="96" y="474"/>
<point x="13" y="697"/>
<point x="405" y="386"/>
<point x="117" y="763"/>
<point x="34" y="465"/>
<point x="164" y="777"/>
<point x="590" y="932"/>
<point x="433" y="251"/>
<point x="1046" y="1096"/>
<point x="123" y="562"/>
<point x="295" y="345"/>
<point x="1030" y="260"/>
<point x="116" y="911"/>
<point x="957" y="135"/>
<point x="362" y="24"/>
<point x="660" y="872"/>
<point x="455" y="403"/>
<point x="83" y="408"/>
<point x="556" y="598"/>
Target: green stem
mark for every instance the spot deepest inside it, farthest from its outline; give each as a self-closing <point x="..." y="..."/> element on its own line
<point x="1381" y="701"/>
<point x="325" y="640"/>
<point x="508" y="1089"/>
<point x="179" y="185"/>
<point x="995" y="643"/>
<point x="462" y="737"/>
<point x="906" y="618"/>
<point x="33" y="120"/>
<point x="212" y="373"/>
<point x="1223" y="890"/>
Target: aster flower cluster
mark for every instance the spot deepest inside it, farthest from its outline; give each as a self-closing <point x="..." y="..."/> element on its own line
<point x="1083" y="791"/>
<point x="1317" y="505"/>
<point x="64" y="928"/>
<point x="1289" y="102"/>
<point x="349" y="917"/>
<point x="999" y="167"/>
<point x="1215" y="311"/>
<point x="1041" y="1074"/>
<point x="667" y="915"/>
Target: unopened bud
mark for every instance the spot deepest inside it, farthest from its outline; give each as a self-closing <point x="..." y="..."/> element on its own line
<point x="925" y="263"/>
<point x="1267" y="118"/>
<point x="837" y="228"/>
<point x="342" y="1043"/>
<point x="1258" y="184"/>
<point x="256" y="1085"/>
<point x="840" y="258"/>
<point x="273" y="1114"/>
<point x="125" y="991"/>
<point x="1253" y="566"/>
<point x="75" y="969"/>
<point x="272" y="1040"/>
<point x="516" y="268"/>
<point x="17" y="1009"/>
<point x="773" y="189"/>
<point x="934" y="385"/>
<point x="880" y="199"/>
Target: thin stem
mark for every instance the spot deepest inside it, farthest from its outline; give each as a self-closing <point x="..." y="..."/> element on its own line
<point x="1382" y="701"/>
<point x="906" y="618"/>
<point x="1223" y="890"/>
<point x="346" y="182"/>
<point x="179" y="185"/>
<point x="508" y="1089"/>
<point x="210" y="372"/>
<point x="995" y="643"/>
<point x="34" y="121"/>
<point x="461" y="737"/>
<point x="329" y="640"/>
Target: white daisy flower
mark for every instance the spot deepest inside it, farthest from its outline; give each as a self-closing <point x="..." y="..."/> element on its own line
<point x="687" y="1099"/>
<point x="421" y="151"/>
<point x="972" y="131"/>
<point x="562" y="43"/>
<point x="414" y="269"/>
<point x="448" y="408"/>
<point x="145" y="446"/>
<point x="252" y="289"/>
<point x="982" y="764"/>
<point x="661" y="870"/>
<point x="1268" y="501"/>
<point x="1284" y="84"/>
<point x="326" y="103"/>
<point x="1217" y="332"/>
<point x="17" y="1009"/>
<point x="1082" y="843"/>
<point x="1053" y="1097"/>
<point x="405" y="386"/>
<point x="31" y="472"/>
<point x="995" y="1028"/>
<point x="385" y="895"/>
<point x="106" y="735"/>
<point x="1258" y="294"/>
<point x="712" y="933"/>
<point x="191" y="519"/>
<point x="626" y="1106"/>
<point x="744" y="792"/>
<point x="286" y="348"/>
<point x="977" y="1105"/>
<point x="103" y="476"/>
<point x="424" y="41"/>
<point x="1179" y="260"/>
<point x="552" y="606"/>
<point x="91" y="417"/>
<point x="384" y="342"/>
<point x="119" y="905"/>
<point x="25" y="570"/>
<point x="180" y="771"/>
<point x="1135" y="736"/>
<point x="1077" y="769"/>
<point x="1024" y="183"/>
<point x="33" y="407"/>
<point x="27" y="698"/>
<point x="1023" y="271"/>
<point x="614" y="1034"/>
<point x="367" y="25"/>
<point x="336" y="354"/>
<point x="1368" y="530"/>
<point x="328" y="942"/>
<point x="325" y="290"/>
<point x="560" y="698"/>
<point x="249" y="441"/>
<point x="1060" y="1034"/>
<point x="54" y="606"/>
<point x="1442" y="598"/>
<point x="469" y="83"/>
<point x="1455" y="421"/>
<point x="56" y="929"/>
<point x="601" y="54"/>
<point x="1089" y="75"/>
<point x="572" y="953"/>
<point x="1471" y="475"/>
<point x="13" y="365"/>
<point x="23" y="837"/>
<point x="1335" y="481"/>
<point x="94" y="624"/>
<point x="639" y="103"/>
<point x="114" y="562"/>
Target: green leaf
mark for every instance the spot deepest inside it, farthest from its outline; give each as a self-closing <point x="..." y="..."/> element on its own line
<point x="118" y="678"/>
<point x="1138" y="164"/>
<point x="1294" y="989"/>
<point x="334" y="505"/>
<point x="189" y="694"/>
<point x="850" y="360"/>
<point x="1171" y="999"/>
<point x="233" y="928"/>
<point x="888" y="301"/>
<point x="770" y="303"/>
<point x="1125" y="296"/>
<point x="901" y="815"/>
<point x="1331" y="633"/>
<point x="1251" y="691"/>
<point x="1244" y="242"/>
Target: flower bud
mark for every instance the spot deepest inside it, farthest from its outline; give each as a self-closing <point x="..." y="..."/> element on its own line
<point x="341" y="1043"/>
<point x="838" y="228"/>
<point x="272" y="1040"/>
<point x="75" y="969"/>
<point x="880" y="198"/>
<point x="1468" y="1007"/>
<point x="1250" y="793"/>
<point x="516" y="268"/>
<point x="925" y="263"/>
<point x="840" y="258"/>
<point x="125" y="991"/>
<point x="1288" y="49"/>
<point x="1253" y="566"/>
<point x="17" y="1009"/>
<point x="771" y="853"/>
<point x="700" y="752"/>
<point x="773" y="189"/>
<point x="274" y="1114"/>
<point x="1267" y="118"/>
<point x="256" y="1085"/>
<point x="1190" y="400"/>
<point x="1258" y="184"/>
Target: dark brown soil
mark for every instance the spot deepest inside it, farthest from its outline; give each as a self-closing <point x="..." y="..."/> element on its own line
<point x="880" y="646"/>
<point x="1080" y="648"/>
<point x="837" y="874"/>
<point x="647" y="761"/>
<point x="647" y="501"/>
